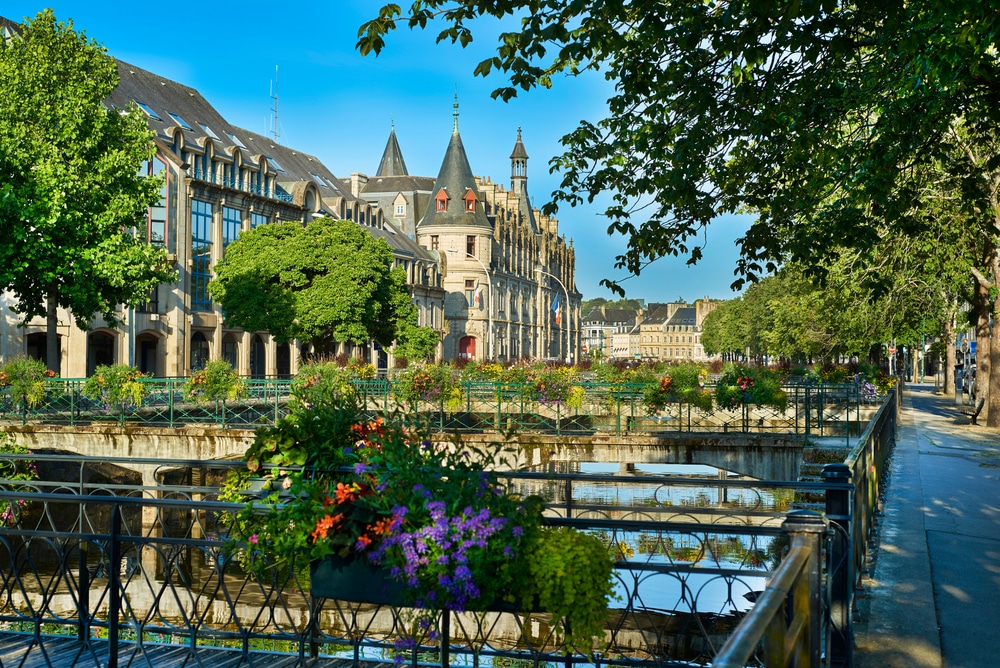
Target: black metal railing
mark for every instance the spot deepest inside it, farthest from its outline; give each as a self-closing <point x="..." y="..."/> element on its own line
<point x="84" y="557"/>
<point x="619" y="409"/>
<point x="852" y="502"/>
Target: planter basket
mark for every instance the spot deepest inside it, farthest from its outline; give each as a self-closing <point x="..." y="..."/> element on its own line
<point x="354" y="580"/>
<point x="358" y="581"/>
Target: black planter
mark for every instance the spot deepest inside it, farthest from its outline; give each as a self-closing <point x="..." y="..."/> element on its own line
<point x="355" y="580"/>
<point x="358" y="581"/>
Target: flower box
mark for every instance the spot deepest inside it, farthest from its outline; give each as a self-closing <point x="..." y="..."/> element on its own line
<point x="358" y="581"/>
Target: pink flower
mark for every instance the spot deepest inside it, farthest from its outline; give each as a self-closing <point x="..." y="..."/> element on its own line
<point x="253" y="539"/>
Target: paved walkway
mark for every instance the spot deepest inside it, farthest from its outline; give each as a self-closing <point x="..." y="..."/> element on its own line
<point x="933" y="598"/>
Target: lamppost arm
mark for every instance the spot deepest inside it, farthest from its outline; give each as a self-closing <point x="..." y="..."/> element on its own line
<point x="569" y="357"/>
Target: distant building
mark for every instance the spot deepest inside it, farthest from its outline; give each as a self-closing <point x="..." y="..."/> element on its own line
<point x="600" y="325"/>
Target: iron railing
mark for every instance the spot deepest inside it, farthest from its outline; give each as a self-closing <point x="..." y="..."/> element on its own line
<point x="94" y="558"/>
<point x="619" y="409"/>
<point x="774" y="628"/>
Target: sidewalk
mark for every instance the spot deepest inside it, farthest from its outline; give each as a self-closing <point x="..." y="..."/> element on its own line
<point x="932" y="598"/>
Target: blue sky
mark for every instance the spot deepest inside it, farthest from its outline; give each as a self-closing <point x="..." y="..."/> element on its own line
<point x="340" y="107"/>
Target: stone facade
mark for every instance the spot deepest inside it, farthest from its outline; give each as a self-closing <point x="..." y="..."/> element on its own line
<point x="219" y="180"/>
<point x="507" y="272"/>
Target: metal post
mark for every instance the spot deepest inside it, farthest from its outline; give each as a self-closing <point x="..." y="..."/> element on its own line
<point x="806" y="529"/>
<point x="114" y="584"/>
<point x="841" y="577"/>
<point x="569" y="356"/>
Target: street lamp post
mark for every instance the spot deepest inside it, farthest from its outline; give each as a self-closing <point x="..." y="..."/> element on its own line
<point x="489" y="296"/>
<point x="569" y="358"/>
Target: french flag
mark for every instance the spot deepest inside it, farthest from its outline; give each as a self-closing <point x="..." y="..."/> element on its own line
<point x="557" y="310"/>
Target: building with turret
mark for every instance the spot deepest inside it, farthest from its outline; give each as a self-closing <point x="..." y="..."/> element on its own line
<point x="508" y="275"/>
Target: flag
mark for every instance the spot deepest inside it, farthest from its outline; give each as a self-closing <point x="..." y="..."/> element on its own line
<point x="557" y="310"/>
<point x="477" y="301"/>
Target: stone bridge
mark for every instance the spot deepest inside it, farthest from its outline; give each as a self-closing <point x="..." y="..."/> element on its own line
<point x="761" y="456"/>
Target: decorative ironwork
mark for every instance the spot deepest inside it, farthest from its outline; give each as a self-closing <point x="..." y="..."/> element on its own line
<point x="692" y="555"/>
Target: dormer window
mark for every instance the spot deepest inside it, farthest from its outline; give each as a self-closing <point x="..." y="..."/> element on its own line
<point x="442" y="200"/>
<point x="470" y="201"/>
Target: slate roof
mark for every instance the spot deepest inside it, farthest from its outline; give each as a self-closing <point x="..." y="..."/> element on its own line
<point x="392" y="163"/>
<point x="684" y="317"/>
<point x="519" y="153"/>
<point x="179" y="108"/>
<point x="456" y="178"/>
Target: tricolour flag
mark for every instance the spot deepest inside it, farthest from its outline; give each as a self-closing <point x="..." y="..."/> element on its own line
<point x="557" y="310"/>
<point x="478" y="299"/>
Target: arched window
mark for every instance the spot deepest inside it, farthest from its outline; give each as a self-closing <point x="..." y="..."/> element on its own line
<point x="199" y="351"/>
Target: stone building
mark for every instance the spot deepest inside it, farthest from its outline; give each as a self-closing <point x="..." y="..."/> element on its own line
<point x="672" y="332"/>
<point x="599" y="327"/>
<point x="219" y="180"/>
<point x="509" y="276"/>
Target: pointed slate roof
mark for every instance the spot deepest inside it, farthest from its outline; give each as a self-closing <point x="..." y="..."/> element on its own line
<point x="455" y="179"/>
<point x="392" y="159"/>
<point x="519" y="152"/>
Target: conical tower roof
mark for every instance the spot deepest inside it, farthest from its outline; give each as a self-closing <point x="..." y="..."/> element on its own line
<point x="392" y="163"/>
<point x="519" y="152"/>
<point x="450" y="197"/>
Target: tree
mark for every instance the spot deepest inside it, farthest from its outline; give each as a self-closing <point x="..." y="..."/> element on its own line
<point x="326" y="281"/>
<point x="72" y="193"/>
<point x="814" y="115"/>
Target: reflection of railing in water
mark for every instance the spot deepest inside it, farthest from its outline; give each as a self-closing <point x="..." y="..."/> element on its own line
<point x="684" y="584"/>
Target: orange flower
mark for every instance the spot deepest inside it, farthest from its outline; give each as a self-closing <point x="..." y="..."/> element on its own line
<point x="346" y="493"/>
<point x="327" y="501"/>
<point x="364" y="541"/>
<point x="324" y="525"/>
<point x="381" y="527"/>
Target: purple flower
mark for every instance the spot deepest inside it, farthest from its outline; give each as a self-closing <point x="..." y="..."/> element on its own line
<point x="360" y="468"/>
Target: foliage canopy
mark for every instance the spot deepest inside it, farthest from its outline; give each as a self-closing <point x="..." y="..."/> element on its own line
<point x="72" y="193"/>
<point x="329" y="280"/>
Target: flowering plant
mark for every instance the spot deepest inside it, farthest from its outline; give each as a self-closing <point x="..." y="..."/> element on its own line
<point x="218" y="381"/>
<point x="742" y="386"/>
<point x="433" y="516"/>
<point x="684" y="385"/>
<point x="23" y="470"/>
<point x="116" y="386"/>
<point x="25" y="376"/>
<point x="433" y="383"/>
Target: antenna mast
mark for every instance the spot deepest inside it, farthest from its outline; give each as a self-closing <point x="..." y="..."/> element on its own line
<point x="274" y="107"/>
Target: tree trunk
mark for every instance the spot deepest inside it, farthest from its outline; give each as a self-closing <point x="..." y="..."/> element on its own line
<point x="949" y="362"/>
<point x="52" y="331"/>
<point x="984" y="362"/>
<point x="991" y="382"/>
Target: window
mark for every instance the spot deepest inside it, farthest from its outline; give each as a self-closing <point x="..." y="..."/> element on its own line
<point x="199" y="351"/>
<point x="442" y="200"/>
<point x="274" y="163"/>
<point x="149" y="112"/>
<point x="400" y="209"/>
<point x="257" y="219"/>
<point x="470" y="201"/>
<point x="435" y="242"/>
<point x="232" y="223"/>
<point x="209" y="131"/>
<point x="236" y="140"/>
<point x="180" y="121"/>
<point x="470" y="291"/>
<point x="201" y="255"/>
<point x="156" y="215"/>
<point x="152" y="305"/>
<point x="318" y="180"/>
<point x="470" y="245"/>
